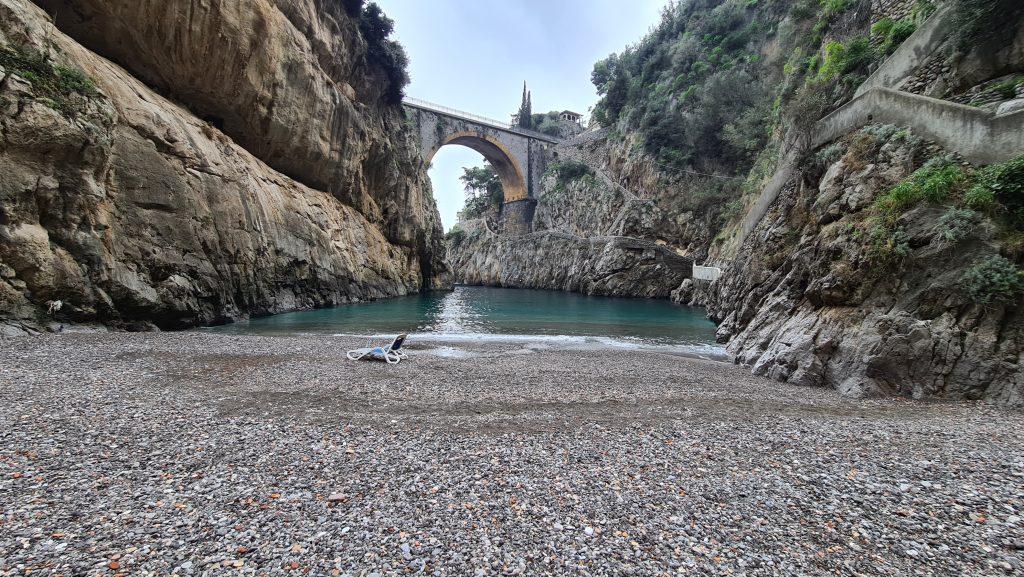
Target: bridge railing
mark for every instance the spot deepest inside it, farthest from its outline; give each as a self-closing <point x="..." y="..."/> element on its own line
<point x="418" y="103"/>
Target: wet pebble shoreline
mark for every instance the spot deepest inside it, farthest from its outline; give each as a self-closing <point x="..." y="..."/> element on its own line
<point x="200" y="454"/>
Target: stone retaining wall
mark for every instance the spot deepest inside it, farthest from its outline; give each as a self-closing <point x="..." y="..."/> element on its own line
<point x="895" y="9"/>
<point x="979" y="136"/>
<point x="904" y="62"/>
<point x="517" y="216"/>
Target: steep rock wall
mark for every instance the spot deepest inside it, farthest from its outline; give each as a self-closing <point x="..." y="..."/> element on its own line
<point x="134" y="212"/>
<point x="806" y="303"/>
<point x="590" y="236"/>
<point x="606" y="266"/>
<point x="288" y="80"/>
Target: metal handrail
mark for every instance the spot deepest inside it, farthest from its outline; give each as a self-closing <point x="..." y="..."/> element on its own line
<point x="419" y="103"/>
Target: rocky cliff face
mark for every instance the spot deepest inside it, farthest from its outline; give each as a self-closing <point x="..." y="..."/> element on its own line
<point x="590" y="235"/>
<point x="606" y="266"/>
<point x="876" y="269"/>
<point x="133" y="210"/>
<point x="822" y="294"/>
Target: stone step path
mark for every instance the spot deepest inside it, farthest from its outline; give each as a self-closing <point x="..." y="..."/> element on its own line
<point x="979" y="136"/>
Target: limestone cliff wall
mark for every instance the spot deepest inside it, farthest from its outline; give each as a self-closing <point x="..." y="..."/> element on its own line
<point x="606" y="266"/>
<point x="807" y="300"/>
<point x="132" y="210"/>
<point x="288" y="80"/>
<point x="590" y="235"/>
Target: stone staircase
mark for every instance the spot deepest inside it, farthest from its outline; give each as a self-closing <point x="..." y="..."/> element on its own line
<point x="982" y="137"/>
<point x="573" y="150"/>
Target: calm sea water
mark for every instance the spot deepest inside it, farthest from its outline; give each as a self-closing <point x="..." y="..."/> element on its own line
<point x="544" y="318"/>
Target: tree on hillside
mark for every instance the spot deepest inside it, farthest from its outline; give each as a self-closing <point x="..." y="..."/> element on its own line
<point x="604" y="71"/>
<point x="483" y="191"/>
<point x="524" y="118"/>
<point x="352" y="7"/>
<point x="547" y="123"/>
<point x="376" y="28"/>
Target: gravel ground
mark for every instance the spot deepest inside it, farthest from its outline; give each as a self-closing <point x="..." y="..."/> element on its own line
<point x="202" y="454"/>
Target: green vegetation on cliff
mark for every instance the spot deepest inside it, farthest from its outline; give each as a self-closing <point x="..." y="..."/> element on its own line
<point x="981" y="21"/>
<point x="994" y="281"/>
<point x="547" y="123"/>
<point x="996" y="191"/>
<point x="692" y="87"/>
<point x="568" y="171"/>
<point x="484" y="193"/>
<point x="64" y="89"/>
<point x="715" y="80"/>
<point x="382" y="51"/>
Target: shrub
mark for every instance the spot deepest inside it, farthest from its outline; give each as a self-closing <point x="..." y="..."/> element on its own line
<point x="376" y="28"/>
<point x="922" y="10"/>
<point x="568" y="171"/>
<point x="1003" y="183"/>
<point x="882" y="132"/>
<point x="994" y="280"/>
<point x="747" y="133"/>
<point x="455" y="236"/>
<point x="882" y="27"/>
<point x="832" y="7"/>
<point x="892" y="32"/>
<point x="65" y="88"/>
<point x="1013" y="244"/>
<point x="936" y="181"/>
<point x="547" y="123"/>
<point x="889" y="246"/>
<point x="826" y="156"/>
<point x="979" y="198"/>
<point x="809" y="106"/>
<point x="987" y="22"/>
<point x="841" y="59"/>
<point x="803" y="9"/>
<point x="956" y="225"/>
<point x="732" y="211"/>
<point x="860" y="150"/>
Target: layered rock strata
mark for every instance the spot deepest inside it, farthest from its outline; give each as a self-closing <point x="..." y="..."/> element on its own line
<point x="132" y="210"/>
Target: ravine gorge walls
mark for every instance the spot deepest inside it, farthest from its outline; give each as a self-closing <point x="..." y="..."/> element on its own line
<point x="866" y="212"/>
<point x="162" y="177"/>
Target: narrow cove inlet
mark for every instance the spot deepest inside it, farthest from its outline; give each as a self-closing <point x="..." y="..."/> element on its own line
<point x="534" y="318"/>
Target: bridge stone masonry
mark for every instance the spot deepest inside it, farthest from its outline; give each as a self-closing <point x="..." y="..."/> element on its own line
<point x="519" y="156"/>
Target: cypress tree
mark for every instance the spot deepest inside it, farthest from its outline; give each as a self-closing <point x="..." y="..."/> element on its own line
<point x="529" y="110"/>
<point x="524" y="115"/>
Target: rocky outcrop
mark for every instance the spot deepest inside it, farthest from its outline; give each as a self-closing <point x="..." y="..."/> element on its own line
<point x="606" y="266"/>
<point x="133" y="211"/>
<point x="590" y="235"/>
<point x="288" y="80"/>
<point x="804" y="303"/>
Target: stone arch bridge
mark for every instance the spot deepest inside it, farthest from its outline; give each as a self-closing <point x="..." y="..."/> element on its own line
<point x="519" y="156"/>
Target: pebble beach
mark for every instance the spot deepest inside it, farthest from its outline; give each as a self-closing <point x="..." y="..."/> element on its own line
<point x="204" y="454"/>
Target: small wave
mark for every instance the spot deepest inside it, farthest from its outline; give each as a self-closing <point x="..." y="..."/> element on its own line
<point x="571" y="342"/>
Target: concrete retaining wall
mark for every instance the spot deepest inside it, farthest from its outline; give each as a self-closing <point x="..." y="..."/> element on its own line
<point x="900" y="66"/>
<point x="708" y="273"/>
<point x="770" y="192"/>
<point x="979" y="136"/>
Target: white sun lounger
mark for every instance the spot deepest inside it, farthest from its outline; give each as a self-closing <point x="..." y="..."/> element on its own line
<point x="391" y="354"/>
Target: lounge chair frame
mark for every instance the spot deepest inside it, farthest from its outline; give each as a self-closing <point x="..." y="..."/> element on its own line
<point x="391" y="354"/>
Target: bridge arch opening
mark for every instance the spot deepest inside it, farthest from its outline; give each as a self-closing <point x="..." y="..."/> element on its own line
<point x="512" y="176"/>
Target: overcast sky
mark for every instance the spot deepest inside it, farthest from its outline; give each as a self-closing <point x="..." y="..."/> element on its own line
<point x="474" y="55"/>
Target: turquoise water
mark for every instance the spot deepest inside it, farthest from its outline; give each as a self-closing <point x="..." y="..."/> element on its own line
<point x="551" y="318"/>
